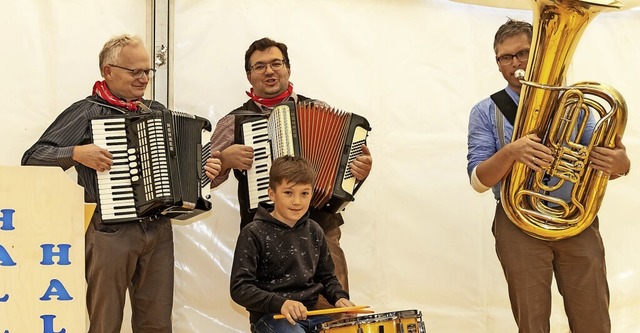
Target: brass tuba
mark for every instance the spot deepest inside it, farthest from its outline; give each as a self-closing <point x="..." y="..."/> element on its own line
<point x="552" y="111"/>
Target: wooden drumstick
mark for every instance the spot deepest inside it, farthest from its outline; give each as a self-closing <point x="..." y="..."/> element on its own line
<point x="347" y="309"/>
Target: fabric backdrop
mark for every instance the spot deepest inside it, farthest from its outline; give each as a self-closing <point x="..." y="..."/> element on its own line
<point x="417" y="236"/>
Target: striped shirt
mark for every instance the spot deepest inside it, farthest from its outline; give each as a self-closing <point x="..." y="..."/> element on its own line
<point x="73" y="128"/>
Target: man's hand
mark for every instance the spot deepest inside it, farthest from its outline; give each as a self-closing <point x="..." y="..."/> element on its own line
<point x="213" y="166"/>
<point x="613" y="161"/>
<point x="529" y="151"/>
<point x="361" y="166"/>
<point x="236" y="156"/>
<point x="93" y="157"/>
<point x="293" y="311"/>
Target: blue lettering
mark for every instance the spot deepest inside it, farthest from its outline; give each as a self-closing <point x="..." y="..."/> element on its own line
<point x="48" y="254"/>
<point x="56" y="289"/>
<point x="48" y="324"/>
<point x="4" y="298"/>
<point x="6" y="219"/>
<point x="5" y="258"/>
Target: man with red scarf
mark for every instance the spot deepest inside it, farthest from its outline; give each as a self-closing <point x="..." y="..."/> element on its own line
<point x="268" y="68"/>
<point x="134" y="256"/>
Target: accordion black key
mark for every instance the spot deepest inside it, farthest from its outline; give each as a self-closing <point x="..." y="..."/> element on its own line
<point x="158" y="160"/>
<point x="329" y="139"/>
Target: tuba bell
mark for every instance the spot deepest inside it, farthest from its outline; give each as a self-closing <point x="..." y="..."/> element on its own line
<point x="554" y="112"/>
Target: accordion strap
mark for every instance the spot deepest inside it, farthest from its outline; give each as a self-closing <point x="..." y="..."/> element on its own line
<point x="256" y="113"/>
<point x="249" y="113"/>
<point x="145" y="108"/>
<point x="357" y="187"/>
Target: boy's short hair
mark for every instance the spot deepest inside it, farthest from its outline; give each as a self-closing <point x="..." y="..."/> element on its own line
<point x="294" y="169"/>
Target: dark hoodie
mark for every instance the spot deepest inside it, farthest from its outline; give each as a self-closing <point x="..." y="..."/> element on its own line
<point x="274" y="262"/>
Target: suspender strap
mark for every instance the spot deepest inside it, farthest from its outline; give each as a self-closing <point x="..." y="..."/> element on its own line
<point x="500" y="127"/>
<point x="506" y="105"/>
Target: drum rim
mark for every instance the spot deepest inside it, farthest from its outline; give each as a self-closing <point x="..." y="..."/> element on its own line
<point x="377" y="317"/>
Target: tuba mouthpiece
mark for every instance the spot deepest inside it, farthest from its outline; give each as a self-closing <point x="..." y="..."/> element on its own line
<point x="519" y="74"/>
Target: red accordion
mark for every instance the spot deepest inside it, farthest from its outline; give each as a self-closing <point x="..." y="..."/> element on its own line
<point x="329" y="139"/>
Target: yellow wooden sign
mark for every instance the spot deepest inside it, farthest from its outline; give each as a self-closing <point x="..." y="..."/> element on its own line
<point x="42" y="223"/>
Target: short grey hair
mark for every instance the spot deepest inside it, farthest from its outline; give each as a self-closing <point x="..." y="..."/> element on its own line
<point x="111" y="49"/>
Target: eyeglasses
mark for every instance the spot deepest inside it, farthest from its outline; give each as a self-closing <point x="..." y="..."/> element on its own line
<point x="137" y="73"/>
<point x="261" y="67"/>
<point x="507" y="59"/>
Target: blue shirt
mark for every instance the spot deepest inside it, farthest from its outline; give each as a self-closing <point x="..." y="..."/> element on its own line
<point x="483" y="141"/>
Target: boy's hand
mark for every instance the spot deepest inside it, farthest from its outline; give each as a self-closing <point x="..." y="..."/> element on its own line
<point x="293" y="311"/>
<point x="343" y="303"/>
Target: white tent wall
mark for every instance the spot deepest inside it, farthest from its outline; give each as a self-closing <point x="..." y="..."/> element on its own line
<point x="417" y="236"/>
<point x="51" y="60"/>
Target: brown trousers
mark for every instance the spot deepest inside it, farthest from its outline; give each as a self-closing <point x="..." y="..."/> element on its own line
<point x="529" y="265"/>
<point x="134" y="256"/>
<point x="337" y="255"/>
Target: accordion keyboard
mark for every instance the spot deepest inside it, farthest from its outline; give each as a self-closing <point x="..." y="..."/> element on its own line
<point x="115" y="188"/>
<point x="256" y="135"/>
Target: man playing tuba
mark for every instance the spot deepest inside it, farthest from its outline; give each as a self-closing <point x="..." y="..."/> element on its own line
<point x="528" y="262"/>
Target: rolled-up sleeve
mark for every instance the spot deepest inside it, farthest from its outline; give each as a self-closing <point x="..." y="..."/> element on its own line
<point x="221" y="139"/>
<point x="481" y="137"/>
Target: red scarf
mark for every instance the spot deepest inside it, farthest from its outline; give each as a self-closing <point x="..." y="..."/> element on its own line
<point x="100" y="88"/>
<point x="269" y="102"/>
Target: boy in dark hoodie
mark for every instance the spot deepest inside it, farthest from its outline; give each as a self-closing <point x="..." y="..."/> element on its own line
<point x="281" y="262"/>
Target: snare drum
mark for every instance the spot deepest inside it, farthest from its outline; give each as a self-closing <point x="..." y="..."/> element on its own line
<point x="407" y="321"/>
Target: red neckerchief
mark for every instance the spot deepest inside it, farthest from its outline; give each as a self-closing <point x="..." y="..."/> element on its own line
<point x="269" y="102"/>
<point x="100" y="88"/>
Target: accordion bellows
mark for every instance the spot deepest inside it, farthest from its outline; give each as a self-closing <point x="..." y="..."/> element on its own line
<point x="329" y="139"/>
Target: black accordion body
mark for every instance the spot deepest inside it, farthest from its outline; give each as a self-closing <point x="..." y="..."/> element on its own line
<point x="158" y="160"/>
<point x="329" y="139"/>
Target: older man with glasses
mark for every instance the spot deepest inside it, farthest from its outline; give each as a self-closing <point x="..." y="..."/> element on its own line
<point x="133" y="256"/>
<point x="268" y="68"/>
